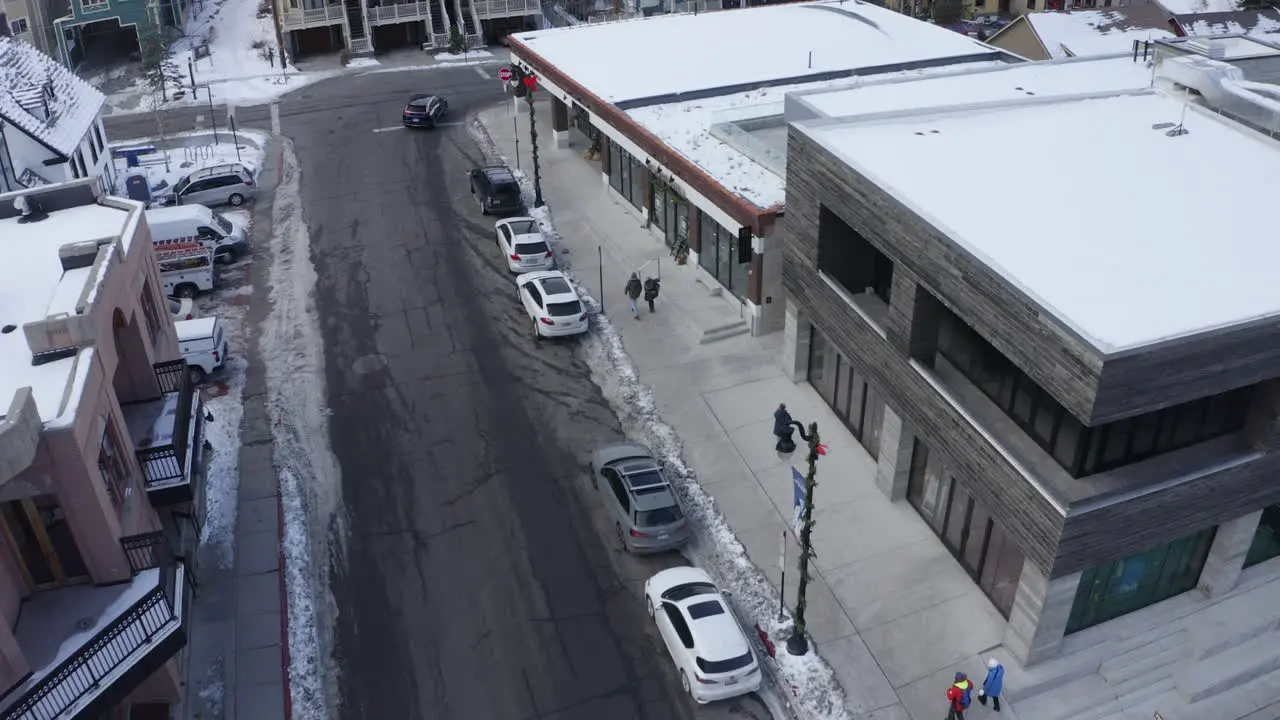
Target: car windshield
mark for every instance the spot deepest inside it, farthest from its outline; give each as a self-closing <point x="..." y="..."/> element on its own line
<point x="532" y="248"/>
<point x="564" y="309"/>
<point x="523" y="227"/>
<point x="223" y="224"/>
<point x="706" y="608"/>
<point x="717" y="667"/>
<point x="658" y="516"/>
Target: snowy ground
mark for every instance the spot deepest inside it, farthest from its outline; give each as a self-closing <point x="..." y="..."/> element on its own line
<point x="811" y="688"/>
<point x="198" y="150"/>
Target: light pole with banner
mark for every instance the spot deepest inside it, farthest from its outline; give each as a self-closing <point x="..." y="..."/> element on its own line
<point x="783" y="428"/>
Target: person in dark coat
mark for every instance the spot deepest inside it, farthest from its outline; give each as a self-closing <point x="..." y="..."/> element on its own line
<point x="993" y="685"/>
<point x="651" y="291"/>
<point x="633" y="293"/>
<point x="782" y="429"/>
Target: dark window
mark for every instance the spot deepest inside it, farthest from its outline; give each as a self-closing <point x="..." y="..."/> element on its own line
<point x="531" y="248"/>
<point x="505" y="189"/>
<point x="615" y="484"/>
<point x="822" y="371"/>
<point x="846" y="257"/>
<point x="1137" y="581"/>
<point x="647" y="481"/>
<point x="706" y="608"/>
<point x="564" y="309"/>
<point x="678" y="624"/>
<point x="556" y="286"/>
<point x="521" y="227"/>
<point x="717" y="667"/>
<point x="1266" y="539"/>
<point x="638" y="183"/>
<point x="532" y="289"/>
<point x="688" y="590"/>
<point x="659" y="516"/>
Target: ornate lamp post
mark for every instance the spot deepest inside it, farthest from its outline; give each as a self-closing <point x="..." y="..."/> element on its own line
<point x="798" y="642"/>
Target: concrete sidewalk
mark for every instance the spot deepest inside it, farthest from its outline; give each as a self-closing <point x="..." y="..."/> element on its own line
<point x="889" y="609"/>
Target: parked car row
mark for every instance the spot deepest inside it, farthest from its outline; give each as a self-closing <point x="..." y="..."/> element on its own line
<point x="707" y="644"/>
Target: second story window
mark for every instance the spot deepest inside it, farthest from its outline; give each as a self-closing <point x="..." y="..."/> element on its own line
<point x="151" y="311"/>
<point x="112" y="463"/>
<point x="845" y="256"/>
<point x="1083" y="450"/>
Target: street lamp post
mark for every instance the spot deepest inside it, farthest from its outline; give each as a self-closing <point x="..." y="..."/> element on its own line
<point x="798" y="642"/>
<point x="532" y="83"/>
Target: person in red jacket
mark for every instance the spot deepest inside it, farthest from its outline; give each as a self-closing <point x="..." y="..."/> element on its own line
<point x="959" y="695"/>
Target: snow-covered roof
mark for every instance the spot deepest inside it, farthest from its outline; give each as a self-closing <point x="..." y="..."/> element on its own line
<point x="1264" y="23"/>
<point x="33" y="286"/>
<point x="196" y="329"/>
<point x="1170" y="248"/>
<point x="44" y="99"/>
<point x="994" y="83"/>
<point x="1190" y="7"/>
<point x="737" y="49"/>
<point x="1080" y="33"/>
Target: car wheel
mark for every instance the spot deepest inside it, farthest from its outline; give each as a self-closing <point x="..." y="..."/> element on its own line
<point x="684" y="682"/>
<point x="197" y="375"/>
<point x="186" y="291"/>
<point x="236" y="199"/>
<point x="227" y="258"/>
<point x="648" y="605"/>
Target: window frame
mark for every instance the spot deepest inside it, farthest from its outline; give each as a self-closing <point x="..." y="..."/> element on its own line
<point x="155" y="322"/>
<point x="112" y="465"/>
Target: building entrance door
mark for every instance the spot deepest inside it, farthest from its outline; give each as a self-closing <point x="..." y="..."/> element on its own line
<point x="37" y="530"/>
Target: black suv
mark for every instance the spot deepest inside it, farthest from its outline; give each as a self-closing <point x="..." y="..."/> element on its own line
<point x="425" y="111"/>
<point x="496" y="189"/>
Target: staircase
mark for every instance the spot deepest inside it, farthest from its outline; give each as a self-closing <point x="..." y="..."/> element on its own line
<point x="441" y="25"/>
<point x="358" y="31"/>
<point x="469" y="24"/>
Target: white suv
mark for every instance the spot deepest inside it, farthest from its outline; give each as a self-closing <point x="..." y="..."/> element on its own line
<point x="551" y="303"/>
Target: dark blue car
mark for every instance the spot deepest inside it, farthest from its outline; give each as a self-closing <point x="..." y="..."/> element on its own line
<point x="425" y="111"/>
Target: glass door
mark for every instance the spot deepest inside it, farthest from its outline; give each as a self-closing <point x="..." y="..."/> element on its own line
<point x="44" y="546"/>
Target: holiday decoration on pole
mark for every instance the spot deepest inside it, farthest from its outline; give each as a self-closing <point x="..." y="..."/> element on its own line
<point x="531" y="84"/>
<point x="798" y="642"/>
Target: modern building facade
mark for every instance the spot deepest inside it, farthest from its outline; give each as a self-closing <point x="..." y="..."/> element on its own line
<point x="1073" y="398"/>
<point x="367" y="26"/>
<point x="694" y="138"/>
<point x="101" y="463"/>
<point x="51" y="127"/>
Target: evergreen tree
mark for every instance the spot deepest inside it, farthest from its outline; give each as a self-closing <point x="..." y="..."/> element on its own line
<point x="159" y="70"/>
<point x="947" y="12"/>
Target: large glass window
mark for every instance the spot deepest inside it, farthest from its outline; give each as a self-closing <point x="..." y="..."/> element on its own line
<point x="1079" y="449"/>
<point x="719" y="256"/>
<point x="1266" y="539"/>
<point x="1132" y="583"/>
<point x="845" y="256"/>
<point x="626" y="175"/>
<point x="638" y="175"/>
<point x="846" y="390"/>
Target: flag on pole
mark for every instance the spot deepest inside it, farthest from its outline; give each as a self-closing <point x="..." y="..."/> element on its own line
<point x="799" y="495"/>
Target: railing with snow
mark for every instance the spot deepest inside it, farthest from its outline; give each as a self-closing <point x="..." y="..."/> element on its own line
<point x="359" y="45"/>
<point x="406" y="11"/>
<point x="506" y="8"/>
<point x="86" y="672"/>
<point x="163" y="464"/>
<point x="326" y="15"/>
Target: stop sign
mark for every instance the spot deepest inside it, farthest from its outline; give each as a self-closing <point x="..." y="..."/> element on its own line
<point x="504" y="74"/>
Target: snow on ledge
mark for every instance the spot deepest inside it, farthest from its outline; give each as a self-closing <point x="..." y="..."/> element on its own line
<point x="810" y="686"/>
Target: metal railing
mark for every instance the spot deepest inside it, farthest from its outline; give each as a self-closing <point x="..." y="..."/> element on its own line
<point x="506" y="8"/>
<point x="326" y="15"/>
<point x="85" y="670"/>
<point x="359" y="45"/>
<point x="146" y="551"/>
<point x="165" y="463"/>
<point x="408" y="11"/>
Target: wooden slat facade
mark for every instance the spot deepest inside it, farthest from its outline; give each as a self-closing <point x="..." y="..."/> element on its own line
<point x="1057" y="536"/>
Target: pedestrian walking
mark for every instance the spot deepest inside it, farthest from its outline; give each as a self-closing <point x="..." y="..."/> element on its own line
<point x="959" y="696"/>
<point x="650" y="291"/>
<point x="633" y="293"/>
<point x="993" y="685"/>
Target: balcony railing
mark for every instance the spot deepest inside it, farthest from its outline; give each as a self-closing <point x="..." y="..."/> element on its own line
<point x="312" y="17"/>
<point x="506" y="8"/>
<point x="399" y="11"/>
<point x="135" y="638"/>
<point x="168" y="433"/>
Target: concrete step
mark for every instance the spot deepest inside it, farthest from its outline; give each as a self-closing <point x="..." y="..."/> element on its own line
<point x="1232" y="622"/>
<point x="1089" y="696"/>
<point x="1228" y="669"/>
<point x="1080" y="662"/>
<point x="1142" y="661"/>
<point x="1148" y="699"/>
<point x="1253" y="700"/>
<point x="724" y="332"/>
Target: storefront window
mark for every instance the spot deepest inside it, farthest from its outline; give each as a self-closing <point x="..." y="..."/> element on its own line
<point x="1135" y="582"/>
<point x="847" y="391"/>
<point x="638" y="175"/>
<point x="1266" y="539"/>
<point x="657" y="213"/>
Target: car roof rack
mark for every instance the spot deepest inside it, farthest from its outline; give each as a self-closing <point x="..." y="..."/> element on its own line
<point x="630" y="473"/>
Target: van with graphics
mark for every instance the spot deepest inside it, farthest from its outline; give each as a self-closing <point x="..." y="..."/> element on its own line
<point x="186" y="224"/>
<point x="186" y="270"/>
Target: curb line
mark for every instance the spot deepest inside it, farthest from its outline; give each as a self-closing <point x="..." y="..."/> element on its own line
<point x="285" y="661"/>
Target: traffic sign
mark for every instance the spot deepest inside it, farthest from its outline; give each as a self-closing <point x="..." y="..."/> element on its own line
<point x="504" y="74"/>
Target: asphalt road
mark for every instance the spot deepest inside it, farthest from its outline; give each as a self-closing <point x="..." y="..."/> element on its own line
<point x="480" y="580"/>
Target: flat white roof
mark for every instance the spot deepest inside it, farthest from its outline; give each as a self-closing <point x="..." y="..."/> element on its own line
<point x="1081" y="33"/>
<point x="990" y="83"/>
<point x="33" y="286"/>
<point x="1125" y="234"/>
<point x="671" y="54"/>
<point x="196" y="329"/>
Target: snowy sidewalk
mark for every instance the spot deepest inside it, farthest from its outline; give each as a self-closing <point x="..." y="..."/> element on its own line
<point x="891" y="640"/>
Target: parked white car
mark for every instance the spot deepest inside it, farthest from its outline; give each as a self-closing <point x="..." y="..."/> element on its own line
<point x="522" y="244"/>
<point x="551" y="303"/>
<point x="203" y="346"/>
<point x="710" y="650"/>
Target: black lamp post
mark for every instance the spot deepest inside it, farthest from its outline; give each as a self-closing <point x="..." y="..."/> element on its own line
<point x="798" y="642"/>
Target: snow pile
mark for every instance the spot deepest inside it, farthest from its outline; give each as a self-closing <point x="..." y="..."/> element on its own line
<point x="470" y="55"/>
<point x="362" y="62"/>
<point x="198" y="150"/>
<point x="809" y="683"/>
<point x="222" y="484"/>
<point x="310" y="483"/>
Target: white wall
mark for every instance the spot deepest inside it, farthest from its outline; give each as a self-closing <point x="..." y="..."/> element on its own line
<point x="29" y="154"/>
